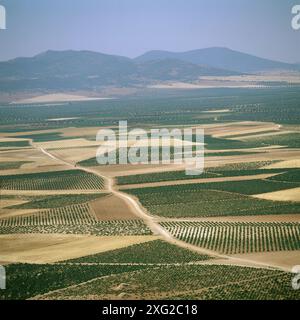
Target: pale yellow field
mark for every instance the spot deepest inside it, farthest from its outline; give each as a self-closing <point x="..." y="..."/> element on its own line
<point x="112" y="207"/>
<point x="282" y="259"/>
<point x="56" y="97"/>
<point x="67" y="143"/>
<point x="218" y="111"/>
<point x="293" y="163"/>
<point x="50" y="248"/>
<point x="9" y="213"/>
<point x="290" y="77"/>
<point x="283" y="195"/>
<point x="205" y="84"/>
<point x="241" y="130"/>
<point x="8" y="139"/>
<point x="75" y="155"/>
<point x="275" y="133"/>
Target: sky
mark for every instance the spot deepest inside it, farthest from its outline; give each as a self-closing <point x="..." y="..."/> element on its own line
<point x="132" y="27"/>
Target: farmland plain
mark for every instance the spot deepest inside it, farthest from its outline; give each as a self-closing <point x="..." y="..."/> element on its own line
<point x="73" y="229"/>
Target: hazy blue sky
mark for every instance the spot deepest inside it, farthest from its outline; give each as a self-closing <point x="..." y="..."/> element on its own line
<point x="131" y="27"/>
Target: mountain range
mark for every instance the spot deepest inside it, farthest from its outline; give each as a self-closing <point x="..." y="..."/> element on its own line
<point x="77" y="70"/>
<point x="222" y="58"/>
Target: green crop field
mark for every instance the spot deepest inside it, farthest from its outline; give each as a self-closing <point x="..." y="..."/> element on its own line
<point x="290" y="177"/>
<point x="12" y="164"/>
<point x="12" y="144"/>
<point x="74" y="219"/>
<point x="197" y="201"/>
<point x="156" y="251"/>
<point x="57" y="180"/>
<point x="238" y="237"/>
<point x="71" y="215"/>
<point x="247" y="187"/>
<point x="28" y="280"/>
<point x="201" y="281"/>
<point x="212" y="143"/>
<point x="246" y="166"/>
<point x="90" y="227"/>
<point x="219" y="172"/>
<point x="44" y="137"/>
<point x="177" y="107"/>
<point x="290" y="140"/>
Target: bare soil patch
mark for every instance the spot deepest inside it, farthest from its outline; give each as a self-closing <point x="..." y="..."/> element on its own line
<point x="282" y="259"/>
<point x="75" y="155"/>
<point x="283" y="195"/>
<point x="293" y="163"/>
<point x="274" y="133"/>
<point x="112" y="207"/>
<point x="56" y="97"/>
<point x="67" y="143"/>
<point x="50" y="248"/>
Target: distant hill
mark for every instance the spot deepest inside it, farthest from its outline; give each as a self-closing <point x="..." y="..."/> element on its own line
<point x="221" y="58"/>
<point x="87" y="70"/>
<point x="53" y="70"/>
<point x="79" y="68"/>
<point x="174" y="69"/>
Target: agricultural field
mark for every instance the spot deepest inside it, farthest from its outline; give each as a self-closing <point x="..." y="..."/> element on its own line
<point x="74" y="219"/>
<point x="239" y="237"/>
<point x="44" y="137"/>
<point x="168" y="109"/>
<point x="291" y="140"/>
<point x="29" y="280"/>
<point x="12" y="164"/>
<point x="289" y="177"/>
<point x="245" y="169"/>
<point x="152" y="252"/>
<point x="73" y="229"/>
<point x="169" y="282"/>
<point x="59" y="180"/>
<point x="92" y="162"/>
<point x="101" y="228"/>
<point x="247" y="187"/>
<point x="70" y="215"/>
<point x="55" y="201"/>
<point x="14" y="144"/>
<point x="212" y="199"/>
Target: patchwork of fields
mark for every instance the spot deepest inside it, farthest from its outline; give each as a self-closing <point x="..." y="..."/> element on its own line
<point x="128" y="273"/>
<point x="73" y="229"/>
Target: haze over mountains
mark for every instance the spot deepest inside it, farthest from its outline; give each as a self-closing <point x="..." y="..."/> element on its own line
<point x="222" y="58"/>
<point x="86" y="70"/>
